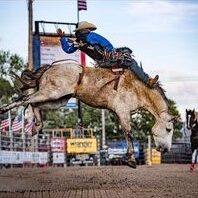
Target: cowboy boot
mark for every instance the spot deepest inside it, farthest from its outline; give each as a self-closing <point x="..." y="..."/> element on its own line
<point x="152" y="81"/>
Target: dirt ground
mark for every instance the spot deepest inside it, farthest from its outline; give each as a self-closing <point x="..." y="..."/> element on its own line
<point x="173" y="180"/>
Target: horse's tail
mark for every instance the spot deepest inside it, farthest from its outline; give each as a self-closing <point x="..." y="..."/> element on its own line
<point x="30" y="79"/>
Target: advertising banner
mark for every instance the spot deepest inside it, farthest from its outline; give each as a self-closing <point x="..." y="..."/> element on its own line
<point x="19" y="157"/>
<point x="51" y="50"/>
<point x="58" y="145"/>
<point x="87" y="145"/>
<point x="58" y="158"/>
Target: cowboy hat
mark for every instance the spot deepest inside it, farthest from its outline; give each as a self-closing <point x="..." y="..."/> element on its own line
<point x="85" y="25"/>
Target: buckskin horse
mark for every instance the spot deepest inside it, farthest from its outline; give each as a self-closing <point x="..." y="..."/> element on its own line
<point x="96" y="87"/>
<point x="192" y="124"/>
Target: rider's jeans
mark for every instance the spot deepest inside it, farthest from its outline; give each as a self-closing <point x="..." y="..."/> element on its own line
<point x="139" y="71"/>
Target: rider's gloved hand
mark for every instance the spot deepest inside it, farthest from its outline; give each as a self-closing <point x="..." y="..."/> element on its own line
<point x="79" y="44"/>
<point x="60" y="32"/>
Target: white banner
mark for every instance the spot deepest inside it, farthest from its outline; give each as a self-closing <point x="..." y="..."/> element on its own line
<point x="58" y="158"/>
<point x="51" y="51"/>
<point x="19" y="157"/>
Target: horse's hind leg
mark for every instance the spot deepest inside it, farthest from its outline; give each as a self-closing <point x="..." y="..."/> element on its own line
<point x="55" y="104"/>
<point x="125" y="123"/>
<point x="40" y="96"/>
<point x="5" y="108"/>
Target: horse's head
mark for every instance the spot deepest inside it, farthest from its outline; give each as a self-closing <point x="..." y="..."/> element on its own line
<point x="191" y="118"/>
<point x="188" y="116"/>
<point x="163" y="132"/>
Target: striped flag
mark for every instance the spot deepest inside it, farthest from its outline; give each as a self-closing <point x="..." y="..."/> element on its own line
<point x="82" y="5"/>
<point x="28" y="127"/>
<point x="4" y="124"/>
<point x="17" y="123"/>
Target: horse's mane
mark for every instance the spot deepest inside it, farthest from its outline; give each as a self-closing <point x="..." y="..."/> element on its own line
<point x="162" y="93"/>
<point x="158" y="86"/>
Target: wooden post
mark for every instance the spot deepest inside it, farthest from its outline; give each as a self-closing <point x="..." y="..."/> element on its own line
<point x="149" y="151"/>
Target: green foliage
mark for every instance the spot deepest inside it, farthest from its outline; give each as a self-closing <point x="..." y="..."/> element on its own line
<point x="71" y="118"/>
<point x="178" y="123"/>
<point x="143" y="122"/>
<point x="9" y="63"/>
<point x="53" y="119"/>
<point x="6" y="90"/>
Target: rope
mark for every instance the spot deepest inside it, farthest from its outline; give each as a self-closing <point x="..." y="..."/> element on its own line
<point x="62" y="60"/>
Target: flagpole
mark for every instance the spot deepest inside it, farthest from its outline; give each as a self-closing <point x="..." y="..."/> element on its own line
<point x="80" y="118"/>
<point x="78" y="18"/>
<point x="23" y="132"/>
<point x="10" y="130"/>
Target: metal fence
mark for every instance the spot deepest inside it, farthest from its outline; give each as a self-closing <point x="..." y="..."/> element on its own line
<point x="180" y="153"/>
<point x="19" y="149"/>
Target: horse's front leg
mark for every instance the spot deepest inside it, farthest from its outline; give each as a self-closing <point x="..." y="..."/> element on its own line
<point x="126" y="126"/>
<point x="130" y="151"/>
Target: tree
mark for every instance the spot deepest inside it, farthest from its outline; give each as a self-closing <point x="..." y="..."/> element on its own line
<point x="9" y="63"/>
<point x="178" y="123"/>
<point x="6" y="90"/>
<point x="143" y="122"/>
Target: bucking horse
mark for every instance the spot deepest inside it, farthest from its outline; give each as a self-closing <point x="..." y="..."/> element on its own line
<point x="96" y="87"/>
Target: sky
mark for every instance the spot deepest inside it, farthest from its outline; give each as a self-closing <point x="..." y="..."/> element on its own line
<point x="163" y="35"/>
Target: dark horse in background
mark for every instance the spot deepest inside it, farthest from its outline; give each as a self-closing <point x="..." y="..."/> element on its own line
<point x="192" y="124"/>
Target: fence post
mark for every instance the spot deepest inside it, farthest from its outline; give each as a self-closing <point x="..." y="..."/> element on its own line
<point x="149" y="151"/>
<point x="0" y="140"/>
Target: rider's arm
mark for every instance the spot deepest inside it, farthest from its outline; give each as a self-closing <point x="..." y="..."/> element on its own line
<point x="96" y="39"/>
<point x="66" y="46"/>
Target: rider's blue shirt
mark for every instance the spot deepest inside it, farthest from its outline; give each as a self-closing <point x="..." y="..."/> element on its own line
<point x="91" y="39"/>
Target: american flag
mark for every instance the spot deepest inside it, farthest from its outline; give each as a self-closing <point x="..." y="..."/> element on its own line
<point x="17" y="123"/>
<point x="28" y="127"/>
<point x="4" y="124"/>
<point x="82" y="5"/>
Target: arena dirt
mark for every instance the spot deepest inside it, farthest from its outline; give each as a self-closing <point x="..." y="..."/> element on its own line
<point x="172" y="181"/>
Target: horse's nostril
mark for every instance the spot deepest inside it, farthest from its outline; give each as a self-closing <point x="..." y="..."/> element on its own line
<point x="158" y="148"/>
<point x="168" y="130"/>
<point x="165" y="150"/>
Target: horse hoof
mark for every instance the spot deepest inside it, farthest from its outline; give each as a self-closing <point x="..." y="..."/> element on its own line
<point x="132" y="164"/>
